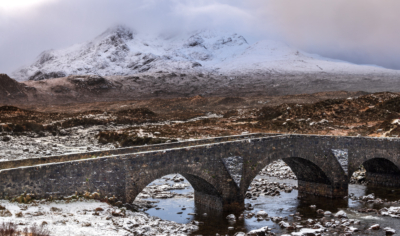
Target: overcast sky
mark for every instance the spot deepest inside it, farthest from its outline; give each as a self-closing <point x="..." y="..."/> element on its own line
<point x="360" y="31"/>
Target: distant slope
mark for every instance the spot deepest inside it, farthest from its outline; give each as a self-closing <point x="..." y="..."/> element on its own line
<point x="12" y="91"/>
<point x="121" y="51"/>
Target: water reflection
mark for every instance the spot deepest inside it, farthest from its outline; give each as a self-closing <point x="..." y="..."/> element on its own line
<point x="169" y="209"/>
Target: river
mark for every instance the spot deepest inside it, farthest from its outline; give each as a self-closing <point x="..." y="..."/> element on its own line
<point x="183" y="210"/>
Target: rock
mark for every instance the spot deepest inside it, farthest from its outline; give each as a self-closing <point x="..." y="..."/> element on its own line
<point x="86" y="224"/>
<point x="117" y="213"/>
<point x="262" y="214"/>
<point x="240" y="234"/>
<point x="55" y="209"/>
<point x="389" y="231"/>
<point x="368" y="197"/>
<point x="308" y="232"/>
<point x="320" y="211"/>
<point x="327" y="213"/>
<point x="341" y="214"/>
<point x="231" y="217"/>
<point x="374" y="227"/>
<point x="5" y="213"/>
<point x="276" y="219"/>
<point x="352" y="229"/>
<point x="63" y="132"/>
<point x="6" y="138"/>
<point x="284" y="224"/>
<point x="99" y="209"/>
<point x="259" y="232"/>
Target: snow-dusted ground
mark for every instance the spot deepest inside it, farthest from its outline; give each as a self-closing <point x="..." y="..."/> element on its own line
<point x="121" y="51"/>
<point x="79" y="139"/>
<point x="89" y="217"/>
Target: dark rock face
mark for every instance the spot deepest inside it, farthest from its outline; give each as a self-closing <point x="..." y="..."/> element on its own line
<point x="194" y="41"/>
<point x="196" y="64"/>
<point x="44" y="57"/>
<point x="92" y="83"/>
<point x="42" y="76"/>
<point x="11" y="89"/>
<point x="119" y="32"/>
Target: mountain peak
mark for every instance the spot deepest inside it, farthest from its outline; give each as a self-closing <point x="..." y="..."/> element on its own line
<point x="119" y="31"/>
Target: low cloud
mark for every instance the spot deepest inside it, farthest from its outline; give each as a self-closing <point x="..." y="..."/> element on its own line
<point x="362" y="31"/>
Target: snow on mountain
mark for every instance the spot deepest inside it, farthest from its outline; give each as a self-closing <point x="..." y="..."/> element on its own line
<point x="121" y="51"/>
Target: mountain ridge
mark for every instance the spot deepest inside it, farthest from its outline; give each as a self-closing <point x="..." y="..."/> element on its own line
<point x="122" y="51"/>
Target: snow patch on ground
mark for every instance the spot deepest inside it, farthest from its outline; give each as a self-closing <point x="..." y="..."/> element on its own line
<point x="80" y="217"/>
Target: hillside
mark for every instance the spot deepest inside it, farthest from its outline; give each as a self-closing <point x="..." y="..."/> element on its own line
<point x="11" y="90"/>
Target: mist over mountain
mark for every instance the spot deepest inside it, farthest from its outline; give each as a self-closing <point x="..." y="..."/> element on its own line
<point x="122" y="51"/>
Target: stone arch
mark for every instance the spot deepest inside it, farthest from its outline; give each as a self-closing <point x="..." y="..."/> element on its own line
<point x="318" y="170"/>
<point x="306" y="170"/>
<point x="382" y="172"/>
<point x="201" y="166"/>
<point x="199" y="184"/>
<point x="363" y="149"/>
<point x="381" y="166"/>
<point x="205" y="193"/>
<point x="311" y="178"/>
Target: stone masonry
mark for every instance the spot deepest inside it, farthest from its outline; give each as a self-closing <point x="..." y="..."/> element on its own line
<point x="124" y="173"/>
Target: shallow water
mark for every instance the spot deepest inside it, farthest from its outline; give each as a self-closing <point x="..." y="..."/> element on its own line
<point x="282" y="206"/>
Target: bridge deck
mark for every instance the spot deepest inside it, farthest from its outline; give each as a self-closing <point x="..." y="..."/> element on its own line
<point x="120" y="151"/>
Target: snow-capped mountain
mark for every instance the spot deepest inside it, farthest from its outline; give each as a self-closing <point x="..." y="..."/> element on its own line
<point x="121" y="51"/>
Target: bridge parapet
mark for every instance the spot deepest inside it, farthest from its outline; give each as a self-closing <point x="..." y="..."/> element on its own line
<point x="122" y="151"/>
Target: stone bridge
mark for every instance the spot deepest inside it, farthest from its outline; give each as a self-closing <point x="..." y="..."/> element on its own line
<point x="125" y="172"/>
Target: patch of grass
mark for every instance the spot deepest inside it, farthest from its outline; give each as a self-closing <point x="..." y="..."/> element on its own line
<point x="10" y="229"/>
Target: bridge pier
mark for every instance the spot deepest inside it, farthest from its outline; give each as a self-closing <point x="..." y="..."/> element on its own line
<point x="319" y="189"/>
<point x="206" y="195"/>
<point x="208" y="200"/>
